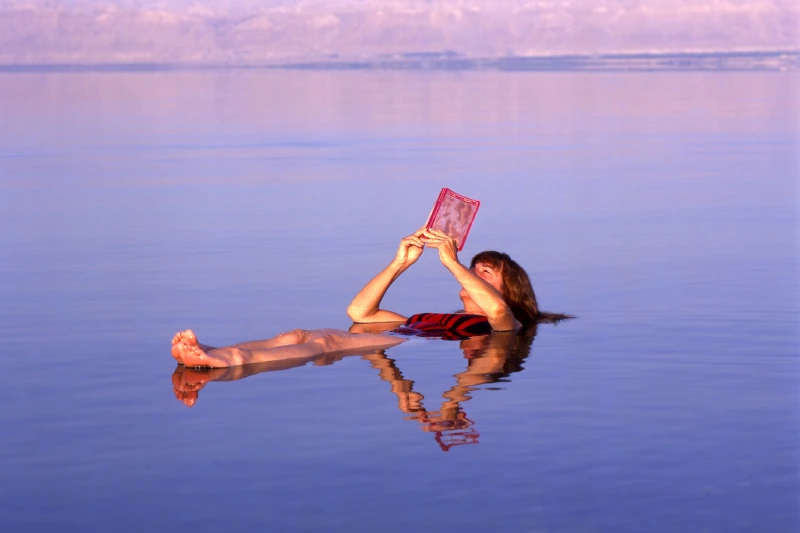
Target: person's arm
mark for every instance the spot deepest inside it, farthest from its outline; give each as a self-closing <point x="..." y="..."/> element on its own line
<point x="487" y="298"/>
<point x="365" y="307"/>
<point x="374" y="327"/>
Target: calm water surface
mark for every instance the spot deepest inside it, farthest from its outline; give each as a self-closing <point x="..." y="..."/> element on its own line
<point x="660" y="208"/>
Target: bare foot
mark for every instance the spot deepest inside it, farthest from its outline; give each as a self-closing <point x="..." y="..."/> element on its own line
<point x="196" y="357"/>
<point x="186" y="338"/>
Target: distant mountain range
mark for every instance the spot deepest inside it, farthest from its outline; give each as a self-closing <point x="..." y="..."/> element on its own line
<point x="399" y="34"/>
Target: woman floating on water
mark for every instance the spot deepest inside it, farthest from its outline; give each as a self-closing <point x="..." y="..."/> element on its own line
<point x="496" y="293"/>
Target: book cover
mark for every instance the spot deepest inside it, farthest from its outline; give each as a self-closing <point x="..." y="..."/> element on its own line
<point x="453" y="214"/>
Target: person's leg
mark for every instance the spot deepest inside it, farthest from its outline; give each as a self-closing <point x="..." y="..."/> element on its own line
<point x="295" y="336"/>
<point x="294" y="344"/>
<point x="194" y="356"/>
<point x="335" y="340"/>
<point x="187" y="339"/>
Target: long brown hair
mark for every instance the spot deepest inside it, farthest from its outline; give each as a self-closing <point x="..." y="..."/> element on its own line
<point x="517" y="289"/>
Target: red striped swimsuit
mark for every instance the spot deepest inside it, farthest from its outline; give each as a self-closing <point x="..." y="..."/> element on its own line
<point x="450" y="326"/>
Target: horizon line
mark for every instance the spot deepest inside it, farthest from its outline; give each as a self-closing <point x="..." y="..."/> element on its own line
<point x="450" y="60"/>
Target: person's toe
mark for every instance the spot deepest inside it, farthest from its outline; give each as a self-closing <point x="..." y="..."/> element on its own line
<point x="176" y="353"/>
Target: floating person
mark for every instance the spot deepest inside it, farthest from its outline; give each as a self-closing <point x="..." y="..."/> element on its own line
<point x="496" y="293"/>
<point x="496" y="327"/>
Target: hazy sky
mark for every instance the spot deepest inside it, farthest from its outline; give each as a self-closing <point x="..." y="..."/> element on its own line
<point x="263" y="31"/>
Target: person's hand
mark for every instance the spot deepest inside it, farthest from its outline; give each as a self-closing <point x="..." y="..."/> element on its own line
<point x="410" y="248"/>
<point x="447" y="246"/>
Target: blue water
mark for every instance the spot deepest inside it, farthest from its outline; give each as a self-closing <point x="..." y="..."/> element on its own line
<point x="660" y="208"/>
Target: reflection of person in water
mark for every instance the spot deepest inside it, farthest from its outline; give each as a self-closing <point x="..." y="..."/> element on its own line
<point x="490" y="359"/>
<point x="495" y="329"/>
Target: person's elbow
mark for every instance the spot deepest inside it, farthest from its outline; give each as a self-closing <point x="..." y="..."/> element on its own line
<point x="357" y="314"/>
<point x="501" y="318"/>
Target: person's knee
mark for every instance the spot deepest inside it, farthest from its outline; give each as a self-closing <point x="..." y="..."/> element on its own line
<point x="233" y="355"/>
<point x="326" y="338"/>
<point x="295" y="336"/>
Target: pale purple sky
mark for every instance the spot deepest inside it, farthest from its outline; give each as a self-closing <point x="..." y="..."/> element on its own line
<point x="266" y="31"/>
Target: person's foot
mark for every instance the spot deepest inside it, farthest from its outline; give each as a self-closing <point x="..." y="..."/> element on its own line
<point x="186" y="338"/>
<point x="193" y="356"/>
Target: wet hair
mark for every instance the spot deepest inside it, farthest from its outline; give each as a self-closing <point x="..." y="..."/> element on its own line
<point x="517" y="289"/>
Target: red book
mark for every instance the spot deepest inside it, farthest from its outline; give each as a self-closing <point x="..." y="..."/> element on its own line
<point x="453" y="214"/>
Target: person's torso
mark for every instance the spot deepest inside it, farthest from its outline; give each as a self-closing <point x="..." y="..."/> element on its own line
<point x="445" y="325"/>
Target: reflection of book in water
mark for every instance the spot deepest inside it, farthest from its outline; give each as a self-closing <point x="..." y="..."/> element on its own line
<point x="453" y="214"/>
<point x="450" y="432"/>
<point x="449" y="439"/>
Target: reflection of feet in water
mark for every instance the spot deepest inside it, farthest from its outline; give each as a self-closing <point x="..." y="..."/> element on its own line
<point x="187" y="382"/>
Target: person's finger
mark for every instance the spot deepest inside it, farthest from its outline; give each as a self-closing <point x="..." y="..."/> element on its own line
<point x="428" y="234"/>
<point x="439" y="233"/>
<point x="413" y="241"/>
<point x="410" y="240"/>
<point x="436" y="239"/>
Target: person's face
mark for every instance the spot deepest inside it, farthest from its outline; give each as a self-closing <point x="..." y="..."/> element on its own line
<point x="490" y="275"/>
